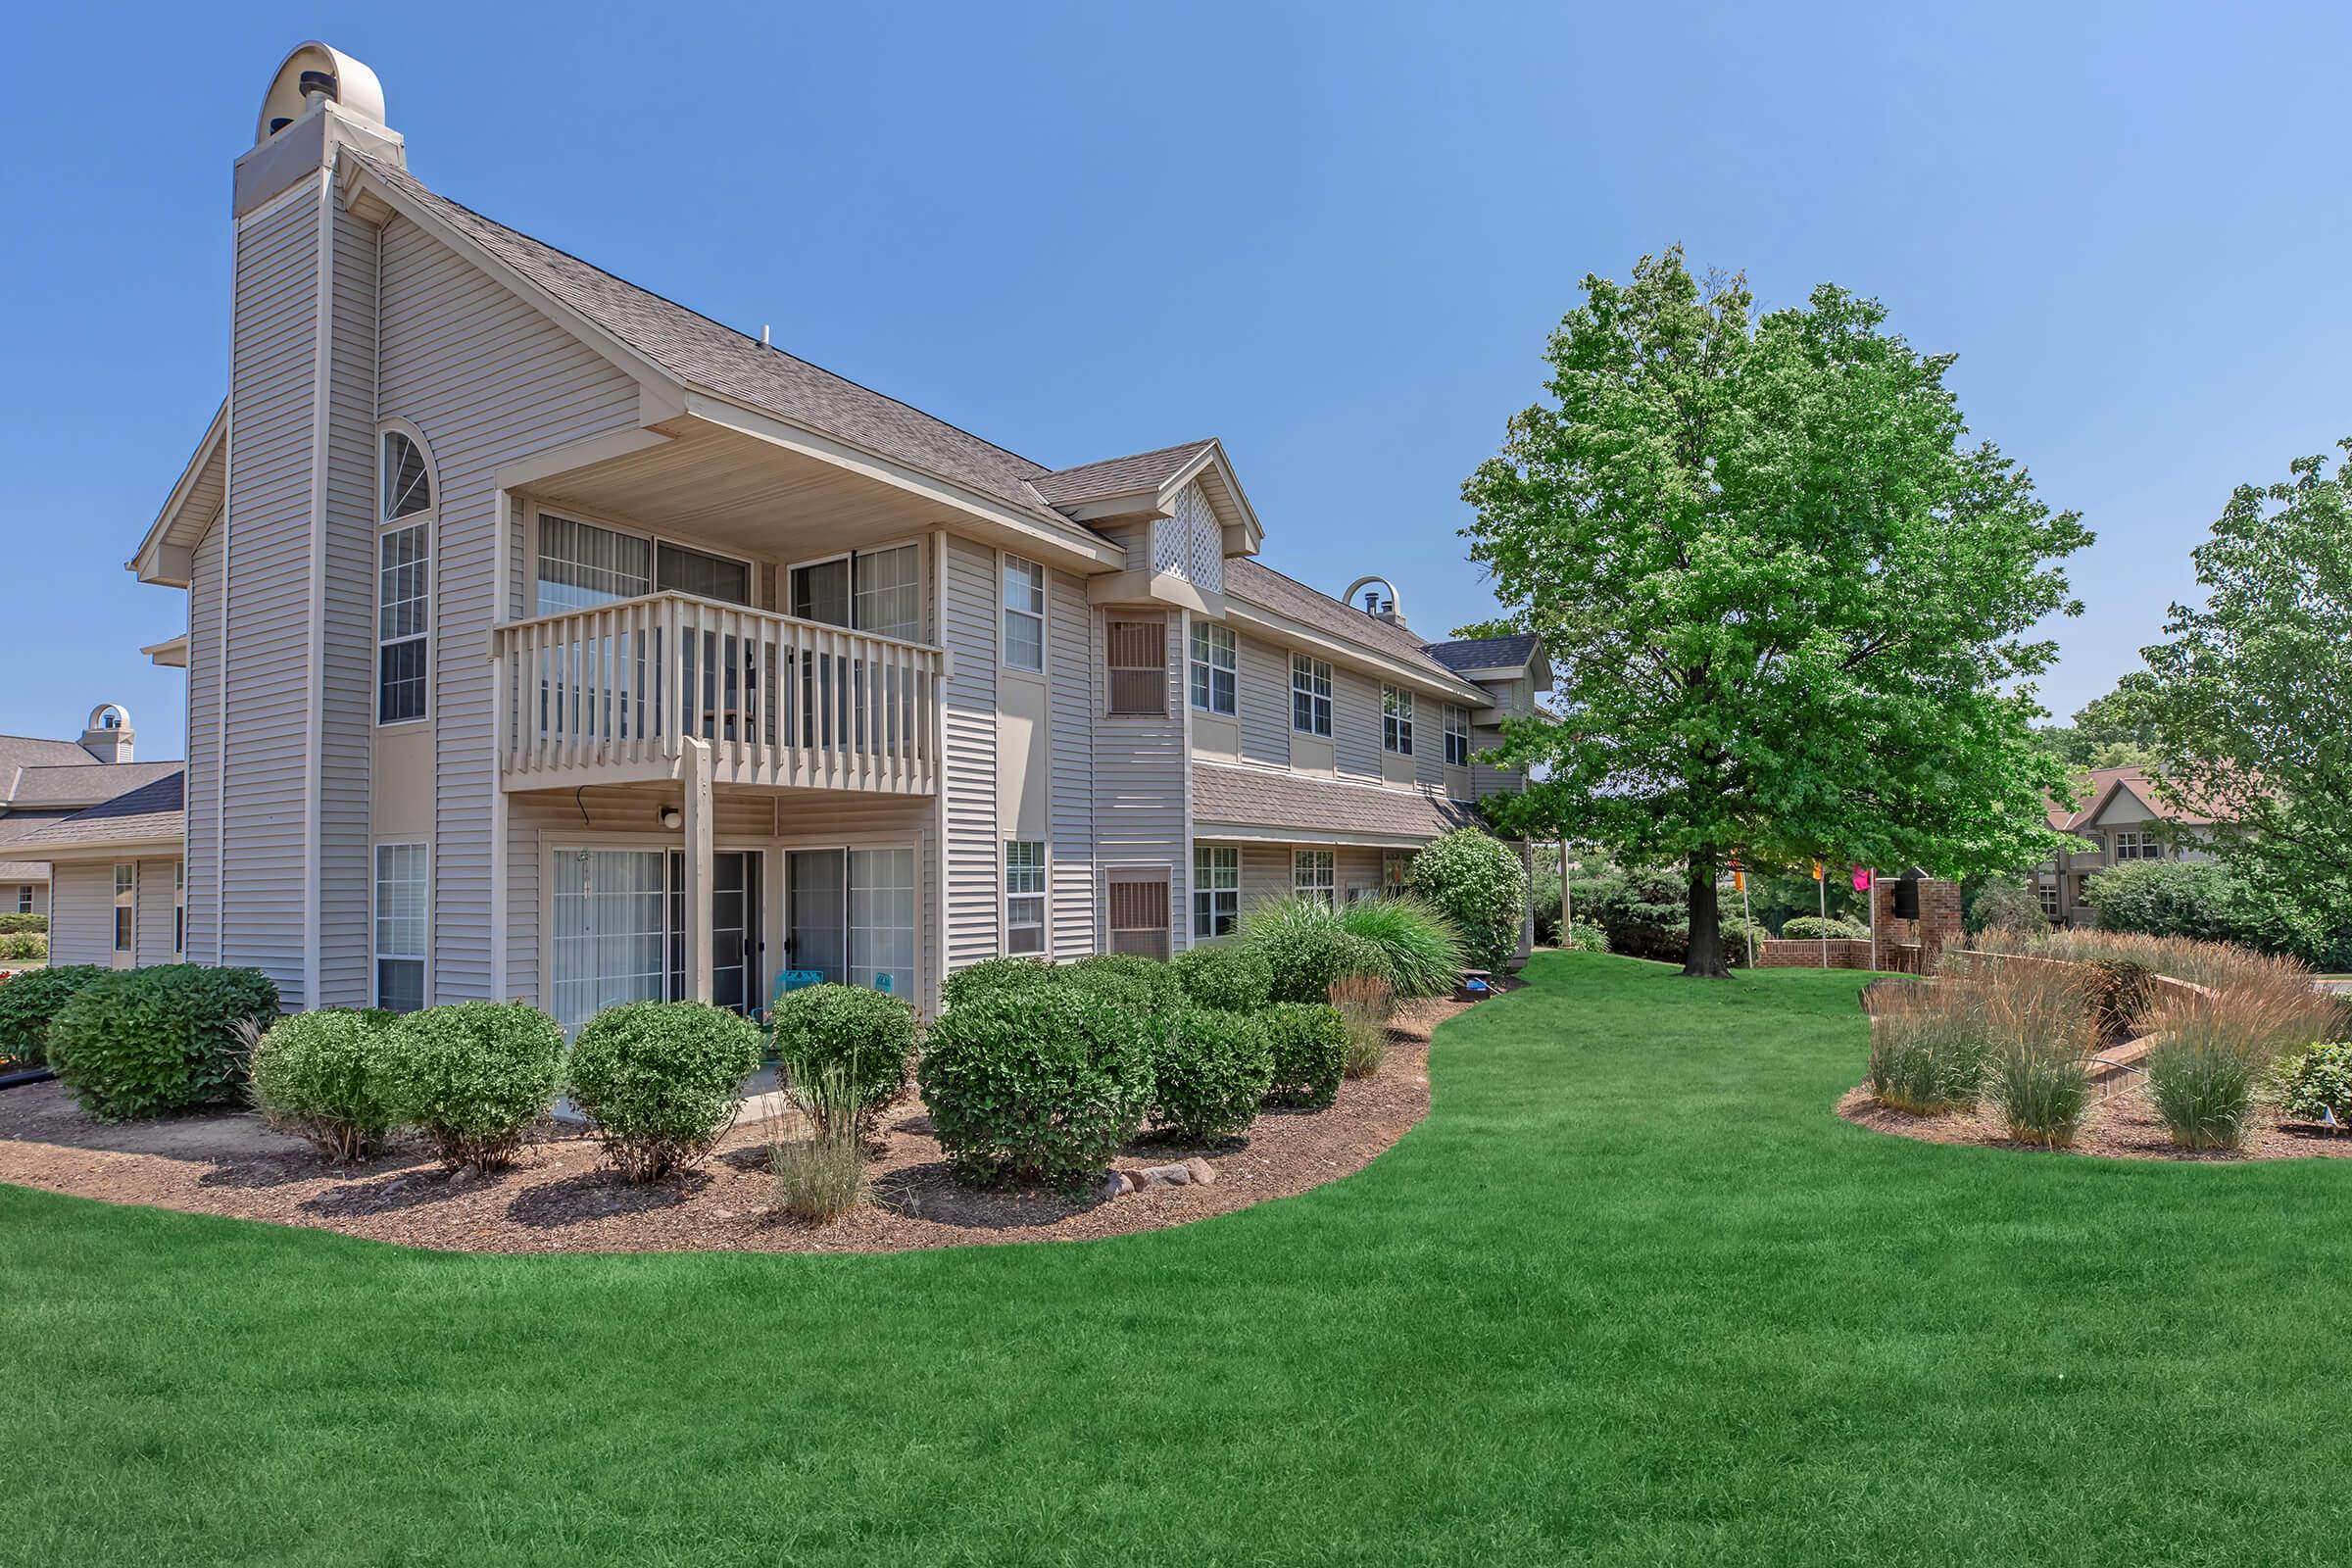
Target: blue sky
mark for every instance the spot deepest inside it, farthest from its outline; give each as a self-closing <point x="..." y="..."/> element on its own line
<point x="1334" y="237"/>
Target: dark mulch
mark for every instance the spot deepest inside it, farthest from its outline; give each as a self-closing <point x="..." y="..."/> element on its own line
<point x="2122" y="1126"/>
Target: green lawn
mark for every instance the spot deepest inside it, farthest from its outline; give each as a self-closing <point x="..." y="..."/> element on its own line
<point x="1629" y="1295"/>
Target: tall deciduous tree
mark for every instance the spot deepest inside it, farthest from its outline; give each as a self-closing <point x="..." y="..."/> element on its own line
<point x="1792" y="608"/>
<point x="2251" y="710"/>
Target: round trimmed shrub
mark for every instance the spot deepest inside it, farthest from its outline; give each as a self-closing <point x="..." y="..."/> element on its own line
<point x="23" y="947"/>
<point x="18" y="920"/>
<point x="1127" y="980"/>
<point x="858" y="1043"/>
<point x="136" y="1042"/>
<point x="316" y="1075"/>
<point x="1037" y="1084"/>
<point x="29" y="1003"/>
<point x="1307" y="960"/>
<point x="1309" y="1044"/>
<point x="996" y="974"/>
<point x="472" y="1076"/>
<point x="1475" y="881"/>
<point x="1210" y="1075"/>
<point x="659" y="1079"/>
<point x="1813" y="929"/>
<point x="1229" y="977"/>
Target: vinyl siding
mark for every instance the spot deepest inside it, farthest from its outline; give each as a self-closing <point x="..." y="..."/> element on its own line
<point x="1262" y="698"/>
<point x="1356" y="725"/>
<point x="1070" y="659"/>
<point x="487" y="379"/>
<point x="267" y="751"/>
<point x="1267" y="870"/>
<point x="81" y="913"/>
<point x="204" y="750"/>
<point x="969" y="627"/>
<point x="151" y="926"/>
<point x="1142" y="778"/>
<point x="346" y="667"/>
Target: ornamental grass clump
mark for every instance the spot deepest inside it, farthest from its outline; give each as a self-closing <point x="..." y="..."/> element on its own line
<point x="2214" y="1049"/>
<point x="1422" y="952"/>
<point x="1209" y="1074"/>
<point x="473" y="1077"/>
<point x="319" y="1075"/>
<point x="820" y="1175"/>
<point x="853" y="1043"/>
<point x="1364" y="1003"/>
<point x="2040" y="1037"/>
<point x="1928" y="1049"/>
<point x="659" y="1082"/>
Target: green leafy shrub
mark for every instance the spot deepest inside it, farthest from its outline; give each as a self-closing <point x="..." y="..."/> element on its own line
<point x="1128" y="980"/>
<point x="855" y="1044"/>
<point x="472" y="1076"/>
<point x="1813" y="929"/>
<point x="2317" y="1085"/>
<point x="1422" y="954"/>
<point x="1645" y="912"/>
<point x="1209" y="1074"/>
<point x="1308" y="1042"/>
<point x="1307" y="948"/>
<point x="1039" y="1084"/>
<point x="1927" y="1049"/>
<point x="2005" y="903"/>
<point x="18" y="920"/>
<point x="29" y="1003"/>
<point x="2202" y="901"/>
<point x="659" y="1080"/>
<point x="136" y="1042"/>
<point x="1475" y="881"/>
<point x="996" y="974"/>
<point x="1364" y="1002"/>
<point x="24" y="947"/>
<point x="318" y="1075"/>
<point x="1229" y="976"/>
<point x="1585" y="937"/>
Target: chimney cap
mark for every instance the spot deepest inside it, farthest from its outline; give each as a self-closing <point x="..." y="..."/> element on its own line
<point x="318" y="68"/>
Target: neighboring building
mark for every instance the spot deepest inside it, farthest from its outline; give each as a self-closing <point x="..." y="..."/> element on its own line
<point x="44" y="783"/>
<point x="2125" y="818"/>
<point x="549" y="640"/>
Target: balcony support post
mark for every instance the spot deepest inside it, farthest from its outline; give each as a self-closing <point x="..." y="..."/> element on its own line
<point x="694" y="756"/>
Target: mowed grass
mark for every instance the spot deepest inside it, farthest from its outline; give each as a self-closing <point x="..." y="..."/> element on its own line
<point x="1631" y="1295"/>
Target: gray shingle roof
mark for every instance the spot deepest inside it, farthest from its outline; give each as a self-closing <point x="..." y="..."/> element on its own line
<point x="1116" y="476"/>
<point x="39" y="787"/>
<point x="32" y="751"/>
<point x="1269" y="589"/>
<point x="23" y="870"/>
<point x="1318" y="809"/>
<point x="152" y="810"/>
<point x="694" y="348"/>
<point x="1485" y="653"/>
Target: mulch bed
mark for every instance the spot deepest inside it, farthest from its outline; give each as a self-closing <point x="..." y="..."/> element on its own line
<point x="560" y="1198"/>
<point x="2123" y="1125"/>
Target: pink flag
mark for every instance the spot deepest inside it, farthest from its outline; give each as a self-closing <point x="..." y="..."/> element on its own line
<point x="1861" y="879"/>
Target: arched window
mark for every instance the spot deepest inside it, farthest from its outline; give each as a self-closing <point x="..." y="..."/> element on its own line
<point x="404" y="558"/>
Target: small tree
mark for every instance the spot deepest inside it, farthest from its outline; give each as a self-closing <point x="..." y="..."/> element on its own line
<point x="1475" y="881"/>
<point x="1790" y="608"/>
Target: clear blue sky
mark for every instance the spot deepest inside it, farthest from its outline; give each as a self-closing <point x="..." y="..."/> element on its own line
<point x="1334" y="237"/>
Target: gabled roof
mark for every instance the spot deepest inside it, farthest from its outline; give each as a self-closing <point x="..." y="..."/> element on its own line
<point x="152" y="812"/>
<point x="1485" y="652"/>
<point x="164" y="556"/>
<point x="1117" y="476"/>
<point x="35" y="750"/>
<point x="82" y="784"/>
<point x="1316" y="810"/>
<point x="2101" y="785"/>
<point x="1261" y="585"/>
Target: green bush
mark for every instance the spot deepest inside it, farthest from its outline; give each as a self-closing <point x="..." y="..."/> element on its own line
<point x="2006" y="903"/>
<point x="472" y="1076"/>
<point x="1209" y="1074"/>
<point x="1813" y="929"/>
<point x="1422" y="953"/>
<point x="1128" y="980"/>
<point x="1307" y="948"/>
<point x="996" y="974"/>
<point x="1040" y="1085"/>
<point x="318" y="1075"/>
<point x="1475" y="881"/>
<point x="29" y="1001"/>
<point x="2199" y="900"/>
<point x="16" y="920"/>
<point x="855" y="1043"/>
<point x="1228" y="976"/>
<point x="1308" y="1042"/>
<point x="136" y="1042"/>
<point x="1645" y="912"/>
<point x="660" y="1080"/>
<point x="24" y="947"/>
<point x="2317" y="1085"/>
<point x="1585" y="936"/>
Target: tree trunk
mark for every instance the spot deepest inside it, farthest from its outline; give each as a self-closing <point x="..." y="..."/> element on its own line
<point x="1705" y="961"/>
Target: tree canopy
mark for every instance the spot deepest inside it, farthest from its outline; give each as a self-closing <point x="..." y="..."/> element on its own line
<point x="2109" y="732"/>
<point x="1791" y="608"/>
<point x="2250" y="708"/>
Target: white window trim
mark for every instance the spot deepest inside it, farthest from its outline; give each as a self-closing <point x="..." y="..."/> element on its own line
<point x="125" y="901"/>
<point x="1209" y="631"/>
<point x="535" y="512"/>
<point x="1397" y="720"/>
<point x="1202" y="887"/>
<point x="374" y="879"/>
<point x="923" y="582"/>
<point x="1326" y="698"/>
<point x="1044" y="896"/>
<point x="1042" y="616"/>
<point x="1315" y="874"/>
<point x="1456" y="719"/>
<point x="429" y="519"/>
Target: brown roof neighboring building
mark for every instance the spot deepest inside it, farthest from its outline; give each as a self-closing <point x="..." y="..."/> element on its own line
<point x="1313" y="810"/>
<point x="149" y="813"/>
<point x="2099" y="787"/>
<point x="1269" y="589"/>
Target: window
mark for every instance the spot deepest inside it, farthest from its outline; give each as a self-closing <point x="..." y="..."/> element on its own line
<point x="25" y="899"/>
<point x="1395" y="875"/>
<point x="868" y="590"/>
<point x="610" y="935"/>
<point x="1216" y="891"/>
<point x="126" y="906"/>
<point x="1024" y="614"/>
<point x="679" y="570"/>
<point x="400" y="892"/>
<point x="179" y="908"/>
<point x="1024" y="896"/>
<point x="1138" y="658"/>
<point x="1457" y="735"/>
<point x="1312" y="878"/>
<point x="2049" y="899"/>
<point x="404" y="571"/>
<point x="582" y="566"/>
<point x="1310" y="696"/>
<point x="1139" y="912"/>
<point x="1212" y="668"/>
<point x="881" y="924"/>
<point x="2133" y="845"/>
<point x="1395" y="721"/>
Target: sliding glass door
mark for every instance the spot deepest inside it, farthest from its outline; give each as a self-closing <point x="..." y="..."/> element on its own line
<point x="620" y="931"/>
<point x="851" y="917"/>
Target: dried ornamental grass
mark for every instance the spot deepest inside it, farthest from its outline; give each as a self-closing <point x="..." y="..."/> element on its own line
<point x="1365" y="1003"/>
<point x="1927" y="1047"/>
<point x="2041" y="1035"/>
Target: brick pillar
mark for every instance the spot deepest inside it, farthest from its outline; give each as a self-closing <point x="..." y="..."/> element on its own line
<point x="1939" y="924"/>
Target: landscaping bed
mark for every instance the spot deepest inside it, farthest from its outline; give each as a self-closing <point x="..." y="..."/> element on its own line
<point x="562" y="1198"/>
<point x="2123" y="1125"/>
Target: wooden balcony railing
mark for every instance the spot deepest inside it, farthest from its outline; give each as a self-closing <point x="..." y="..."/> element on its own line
<point x="610" y="693"/>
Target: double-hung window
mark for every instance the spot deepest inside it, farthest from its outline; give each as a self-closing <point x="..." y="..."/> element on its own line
<point x="1396" y="722"/>
<point x="126" y="910"/>
<point x="1212" y="668"/>
<point x="179" y="908"/>
<point x="1310" y="696"/>
<point x="400" y="896"/>
<point x="2133" y="845"/>
<point x="1457" y="735"/>
<point x="404" y="567"/>
<point x="1312" y="878"/>
<point x="1216" y="891"/>
<point x="1024" y="614"/>
<point x="1024" y="896"/>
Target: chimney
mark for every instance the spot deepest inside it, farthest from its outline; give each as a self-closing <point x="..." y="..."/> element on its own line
<point x="108" y="735"/>
<point x="321" y="100"/>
